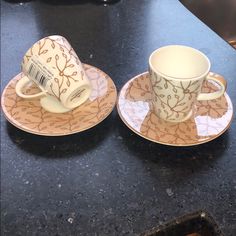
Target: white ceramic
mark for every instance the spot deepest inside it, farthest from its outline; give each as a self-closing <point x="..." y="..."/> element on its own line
<point x="30" y="116"/>
<point x="53" y="65"/>
<point x="177" y="74"/>
<point x="209" y="120"/>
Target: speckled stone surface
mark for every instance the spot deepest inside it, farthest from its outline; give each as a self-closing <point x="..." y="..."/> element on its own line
<point x="108" y="180"/>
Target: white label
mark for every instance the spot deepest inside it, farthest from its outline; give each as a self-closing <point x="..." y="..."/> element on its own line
<point x="38" y="71"/>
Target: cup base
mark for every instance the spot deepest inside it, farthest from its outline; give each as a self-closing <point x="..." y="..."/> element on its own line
<point x="79" y="96"/>
<point x="51" y="104"/>
<point x="184" y="119"/>
<point x="176" y="121"/>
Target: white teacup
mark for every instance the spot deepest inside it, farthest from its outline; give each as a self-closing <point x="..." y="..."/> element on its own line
<point x="54" y="67"/>
<point x="177" y="74"/>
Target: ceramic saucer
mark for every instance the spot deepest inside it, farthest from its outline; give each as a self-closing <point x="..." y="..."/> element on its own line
<point x="208" y="121"/>
<point x="28" y="115"/>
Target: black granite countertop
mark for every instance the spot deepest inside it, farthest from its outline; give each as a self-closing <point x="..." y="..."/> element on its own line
<point x="108" y="180"/>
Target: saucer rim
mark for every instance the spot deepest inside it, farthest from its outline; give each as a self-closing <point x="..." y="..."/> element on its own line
<point x="58" y="134"/>
<point x="166" y="143"/>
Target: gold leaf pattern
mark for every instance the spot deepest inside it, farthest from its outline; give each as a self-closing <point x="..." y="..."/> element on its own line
<point x="65" y="66"/>
<point x="184" y="93"/>
<point x="210" y="118"/>
<point x="49" y="59"/>
<point x="29" y="116"/>
<point x="44" y="51"/>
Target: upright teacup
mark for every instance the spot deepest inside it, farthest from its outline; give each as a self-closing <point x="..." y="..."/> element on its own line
<point x="52" y="64"/>
<point x="177" y="74"/>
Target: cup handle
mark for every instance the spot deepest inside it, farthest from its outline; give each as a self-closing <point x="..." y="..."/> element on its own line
<point x="220" y="81"/>
<point x="21" y="84"/>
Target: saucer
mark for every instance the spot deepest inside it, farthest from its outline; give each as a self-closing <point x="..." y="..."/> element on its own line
<point x="28" y="115"/>
<point x="209" y="120"/>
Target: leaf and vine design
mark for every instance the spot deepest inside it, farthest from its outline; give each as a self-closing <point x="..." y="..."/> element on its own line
<point x="28" y="115"/>
<point x="62" y="60"/>
<point x="173" y="99"/>
<point x="209" y="120"/>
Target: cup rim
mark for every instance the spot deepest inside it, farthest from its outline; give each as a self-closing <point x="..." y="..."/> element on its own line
<point x="174" y="78"/>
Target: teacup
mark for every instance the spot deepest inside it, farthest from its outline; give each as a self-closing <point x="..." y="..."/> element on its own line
<point x="177" y="74"/>
<point x="52" y="64"/>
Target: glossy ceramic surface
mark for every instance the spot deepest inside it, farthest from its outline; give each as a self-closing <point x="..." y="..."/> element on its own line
<point x="209" y="119"/>
<point x="54" y="66"/>
<point x="177" y="73"/>
<point x="29" y="116"/>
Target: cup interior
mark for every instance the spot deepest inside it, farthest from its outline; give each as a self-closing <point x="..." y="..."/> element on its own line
<point x="179" y="62"/>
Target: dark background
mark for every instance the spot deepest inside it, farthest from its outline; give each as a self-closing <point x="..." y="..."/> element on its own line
<point x="108" y="180"/>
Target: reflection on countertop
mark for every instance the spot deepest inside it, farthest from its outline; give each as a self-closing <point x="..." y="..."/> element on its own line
<point x="219" y="15"/>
